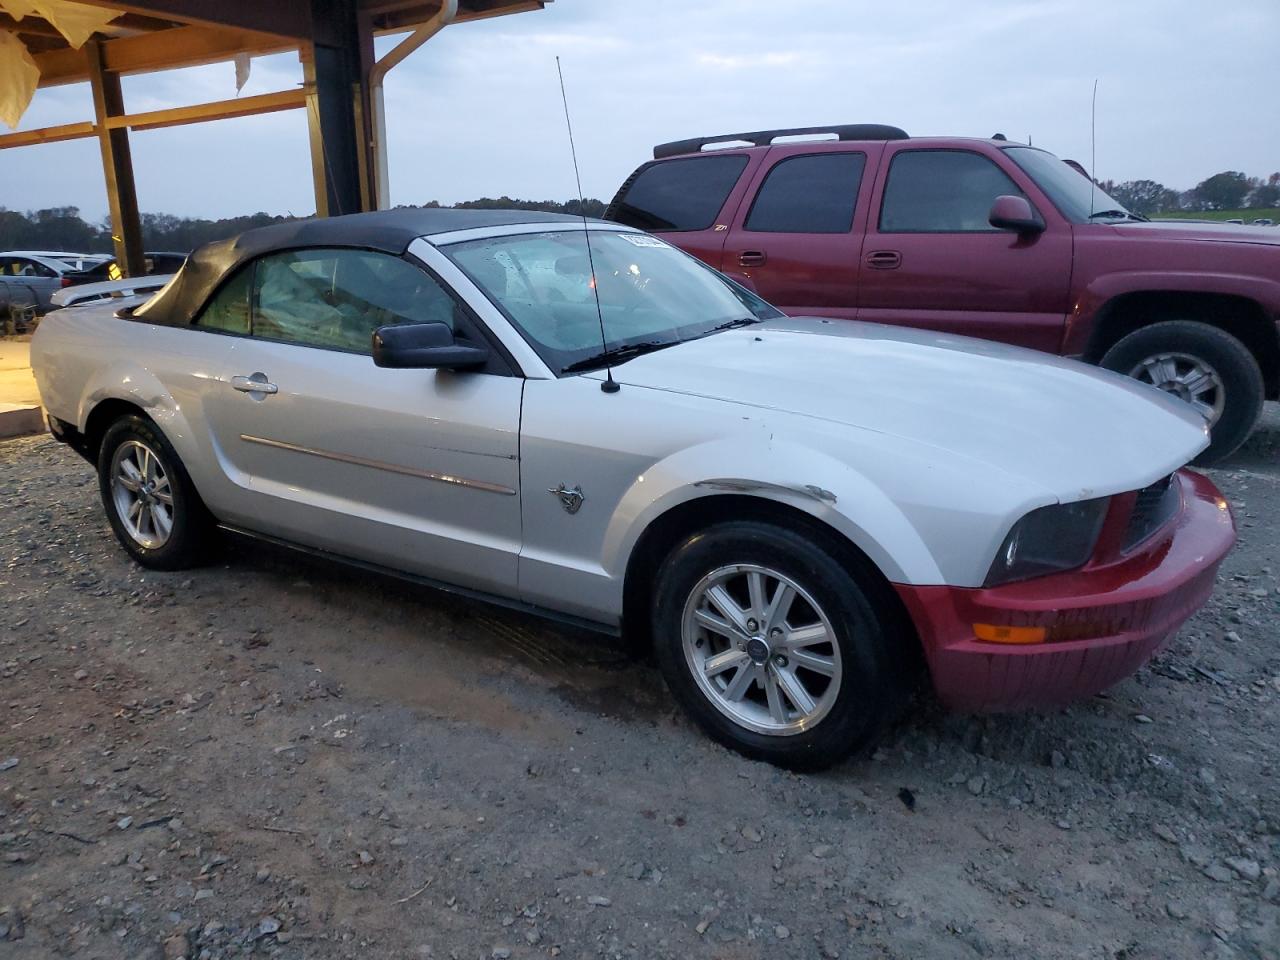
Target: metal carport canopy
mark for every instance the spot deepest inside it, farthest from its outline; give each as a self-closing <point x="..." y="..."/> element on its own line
<point x="340" y="89"/>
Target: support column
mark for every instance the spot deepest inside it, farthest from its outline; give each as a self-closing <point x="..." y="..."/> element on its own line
<point x="117" y="165"/>
<point x="336" y="71"/>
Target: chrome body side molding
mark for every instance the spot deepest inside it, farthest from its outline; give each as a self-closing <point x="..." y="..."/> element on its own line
<point x="382" y="465"/>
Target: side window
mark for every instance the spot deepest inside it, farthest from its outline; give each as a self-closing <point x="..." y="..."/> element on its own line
<point x="229" y="309"/>
<point x="809" y="194"/>
<point x="942" y="191"/>
<point x="682" y="194"/>
<point x="337" y="298"/>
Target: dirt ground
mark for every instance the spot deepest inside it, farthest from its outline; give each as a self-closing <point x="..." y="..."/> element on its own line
<point x="274" y="756"/>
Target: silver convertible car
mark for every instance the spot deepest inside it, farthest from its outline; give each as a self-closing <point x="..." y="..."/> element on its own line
<point x="798" y="515"/>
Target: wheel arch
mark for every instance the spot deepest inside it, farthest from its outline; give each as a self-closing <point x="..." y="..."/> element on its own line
<point x="666" y="531"/>
<point x="1240" y="316"/>
<point x="101" y="417"/>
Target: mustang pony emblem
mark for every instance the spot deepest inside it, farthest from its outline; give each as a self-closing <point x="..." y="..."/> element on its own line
<point x="570" y="497"/>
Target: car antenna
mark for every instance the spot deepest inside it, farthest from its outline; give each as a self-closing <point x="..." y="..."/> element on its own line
<point x="610" y="385"/>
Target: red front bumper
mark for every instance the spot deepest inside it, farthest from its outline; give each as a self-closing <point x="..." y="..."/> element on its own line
<point x="1103" y="621"/>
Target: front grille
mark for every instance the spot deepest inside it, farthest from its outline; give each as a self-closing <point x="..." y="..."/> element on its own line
<point x="1154" y="507"/>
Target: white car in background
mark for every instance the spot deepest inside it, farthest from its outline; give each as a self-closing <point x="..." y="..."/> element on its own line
<point x="794" y="513"/>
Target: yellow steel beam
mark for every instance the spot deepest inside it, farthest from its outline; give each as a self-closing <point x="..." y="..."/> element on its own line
<point x="67" y="131"/>
<point x="156" y="119"/>
<point x="161" y="50"/>
<point x="218" y="110"/>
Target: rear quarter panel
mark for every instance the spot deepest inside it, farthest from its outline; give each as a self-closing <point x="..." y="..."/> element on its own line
<point x="82" y="356"/>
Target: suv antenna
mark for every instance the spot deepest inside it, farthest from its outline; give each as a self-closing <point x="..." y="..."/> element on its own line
<point x="1093" y="148"/>
<point x="610" y="385"/>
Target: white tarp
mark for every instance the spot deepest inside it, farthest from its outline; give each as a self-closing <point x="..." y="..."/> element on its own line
<point x="18" y="72"/>
<point x="18" y="78"/>
<point x="75" y="21"/>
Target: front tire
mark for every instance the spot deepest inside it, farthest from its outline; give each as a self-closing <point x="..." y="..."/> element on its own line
<point x="151" y="503"/>
<point x="775" y="648"/>
<point x="1206" y="367"/>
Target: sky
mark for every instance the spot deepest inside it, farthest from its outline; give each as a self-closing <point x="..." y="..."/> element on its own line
<point x="1185" y="89"/>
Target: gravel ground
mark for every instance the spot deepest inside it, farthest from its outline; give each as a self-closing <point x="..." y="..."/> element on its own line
<point x="275" y="756"/>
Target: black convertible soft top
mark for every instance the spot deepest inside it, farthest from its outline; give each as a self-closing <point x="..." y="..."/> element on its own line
<point x="389" y="231"/>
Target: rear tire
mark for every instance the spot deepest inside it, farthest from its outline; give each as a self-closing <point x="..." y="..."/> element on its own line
<point x="151" y="503"/>
<point x="802" y="687"/>
<point x="1179" y="357"/>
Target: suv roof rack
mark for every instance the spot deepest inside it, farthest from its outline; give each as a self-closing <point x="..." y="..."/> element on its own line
<point x="762" y="138"/>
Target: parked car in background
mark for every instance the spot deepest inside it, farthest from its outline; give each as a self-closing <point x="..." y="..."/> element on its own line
<point x="1264" y="222"/>
<point x="156" y="262"/>
<point x="40" y="272"/>
<point x="987" y="238"/>
<point x="82" y="293"/>
<point x="793" y="513"/>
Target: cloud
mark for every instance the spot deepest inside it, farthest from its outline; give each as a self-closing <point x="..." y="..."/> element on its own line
<point x="477" y="110"/>
<point x="755" y="61"/>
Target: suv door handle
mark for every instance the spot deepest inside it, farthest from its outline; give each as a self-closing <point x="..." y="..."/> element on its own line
<point x="884" y="259"/>
<point x="257" y="383"/>
<point x="752" y="258"/>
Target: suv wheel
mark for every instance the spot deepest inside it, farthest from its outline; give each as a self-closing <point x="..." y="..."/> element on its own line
<point x="1206" y="367"/>
<point x="773" y="647"/>
<point x="150" y="501"/>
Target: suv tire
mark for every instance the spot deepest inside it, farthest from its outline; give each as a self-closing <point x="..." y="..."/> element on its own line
<point x="1178" y="354"/>
<point x="801" y="683"/>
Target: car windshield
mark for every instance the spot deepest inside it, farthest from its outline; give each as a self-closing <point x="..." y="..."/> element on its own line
<point x="651" y="294"/>
<point x="1075" y="195"/>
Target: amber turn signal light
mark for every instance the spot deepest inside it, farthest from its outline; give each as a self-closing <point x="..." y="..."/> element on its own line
<point x="993" y="633"/>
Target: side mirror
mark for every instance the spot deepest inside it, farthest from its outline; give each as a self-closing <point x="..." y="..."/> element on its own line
<point x="424" y="346"/>
<point x="1016" y="214"/>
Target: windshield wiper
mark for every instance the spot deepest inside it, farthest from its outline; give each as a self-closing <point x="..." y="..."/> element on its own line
<point x="734" y="324"/>
<point x="1121" y="214"/>
<point x="617" y="355"/>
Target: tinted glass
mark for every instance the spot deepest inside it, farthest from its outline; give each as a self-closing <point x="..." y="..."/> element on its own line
<point x="813" y="194"/>
<point x="942" y="191"/>
<point x="679" y="194"/>
<point x="22" y="267"/>
<point x="337" y="298"/>
<point x="1071" y="192"/>
<point x="649" y="291"/>
<point x="229" y="309"/>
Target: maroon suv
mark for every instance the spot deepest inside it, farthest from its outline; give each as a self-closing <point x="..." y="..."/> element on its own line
<point x="986" y="238"/>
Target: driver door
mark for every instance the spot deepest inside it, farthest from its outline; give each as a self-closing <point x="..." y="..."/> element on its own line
<point x="411" y="469"/>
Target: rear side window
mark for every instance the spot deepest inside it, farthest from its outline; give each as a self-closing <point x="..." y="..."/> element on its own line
<point x="679" y="194"/>
<point x="942" y="191"/>
<point x="809" y="194"/>
<point x="229" y="309"/>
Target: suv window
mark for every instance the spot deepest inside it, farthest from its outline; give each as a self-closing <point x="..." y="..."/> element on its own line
<point x="809" y="194"/>
<point x="337" y="298"/>
<point x="942" y="191"/>
<point x="678" y="194"/>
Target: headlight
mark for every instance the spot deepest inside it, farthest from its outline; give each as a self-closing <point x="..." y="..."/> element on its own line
<point x="1058" y="537"/>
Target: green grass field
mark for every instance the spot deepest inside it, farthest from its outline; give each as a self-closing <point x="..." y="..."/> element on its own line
<point x="1248" y="216"/>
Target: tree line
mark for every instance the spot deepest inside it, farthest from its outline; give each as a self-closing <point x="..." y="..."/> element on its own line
<point x="1229" y="190"/>
<point x="62" y="228"/>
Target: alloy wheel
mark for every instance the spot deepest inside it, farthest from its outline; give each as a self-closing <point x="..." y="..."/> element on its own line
<point x="761" y="649"/>
<point x="1186" y="377"/>
<point x="142" y="494"/>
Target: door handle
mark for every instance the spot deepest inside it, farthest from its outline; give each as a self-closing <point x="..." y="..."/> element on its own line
<point x="884" y="259"/>
<point x="752" y="258"/>
<point x="256" y="383"/>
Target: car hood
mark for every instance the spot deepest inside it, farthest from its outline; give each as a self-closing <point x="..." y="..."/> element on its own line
<point x="1076" y="430"/>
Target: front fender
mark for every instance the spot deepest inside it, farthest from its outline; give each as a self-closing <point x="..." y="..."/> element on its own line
<point x="818" y="484"/>
<point x="1106" y="287"/>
